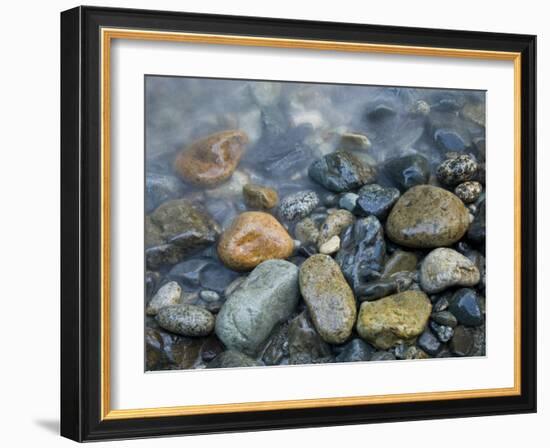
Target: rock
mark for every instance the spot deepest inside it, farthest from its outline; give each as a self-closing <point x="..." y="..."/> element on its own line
<point x="186" y="320"/>
<point x="232" y="359"/>
<point x="216" y="277"/>
<point x="331" y="246"/>
<point x="154" y="347"/>
<point x="266" y="298"/>
<point x="182" y="352"/>
<point x="351" y="141"/>
<point x="465" y="306"/>
<point x="443" y="332"/>
<point x="475" y="111"/>
<point x="306" y="231"/>
<point x="449" y="140"/>
<point x="469" y="191"/>
<point x="380" y="112"/>
<point x="441" y="301"/>
<point x="362" y="252"/>
<point x="336" y="222"/>
<point x="328" y="297"/>
<point x="253" y="237"/>
<point x="175" y="230"/>
<point x="462" y="342"/>
<point x="394" y="319"/>
<point x="382" y="356"/>
<point x="429" y="343"/>
<point x="400" y="261"/>
<point x="211" y="348"/>
<point x="257" y="196"/>
<point x="160" y="188"/>
<point x="168" y="294"/>
<point x="376" y="200"/>
<point x="209" y="296"/>
<point x="427" y="216"/>
<point x="354" y="351"/>
<point x="305" y="346"/>
<point x="384" y="287"/>
<point x="456" y="170"/>
<point x="408" y="171"/>
<point x="187" y="273"/>
<point x="443" y="268"/>
<point x="233" y="286"/>
<point x="298" y="205"/>
<point x="277" y="347"/>
<point x="476" y="232"/>
<point x="211" y="160"/>
<point x="403" y="351"/>
<point x="445" y="318"/>
<point x="231" y="189"/>
<point x="341" y="171"/>
<point x="348" y="201"/>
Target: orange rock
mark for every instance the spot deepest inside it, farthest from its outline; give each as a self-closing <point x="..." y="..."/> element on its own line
<point x="254" y="237"/>
<point x="211" y="160"/>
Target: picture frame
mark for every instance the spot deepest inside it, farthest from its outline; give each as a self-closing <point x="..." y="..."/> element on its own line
<point x="86" y="210"/>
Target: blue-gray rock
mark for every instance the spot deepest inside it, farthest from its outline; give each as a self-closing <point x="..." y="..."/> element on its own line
<point x="348" y="201"/>
<point x="232" y="359"/>
<point x="376" y="200"/>
<point x="160" y="188"/>
<point x="429" y="343"/>
<point x="355" y="350"/>
<point x="444" y="317"/>
<point x="408" y="171"/>
<point x="383" y="356"/>
<point x="186" y="320"/>
<point x="476" y="232"/>
<point x="449" y="140"/>
<point x="305" y="346"/>
<point x="383" y="287"/>
<point x="465" y="306"/>
<point x="362" y="252"/>
<point x="341" y="171"/>
<point x="266" y="298"/>
<point x="216" y="277"/>
<point x="443" y="332"/>
<point x="298" y="205"/>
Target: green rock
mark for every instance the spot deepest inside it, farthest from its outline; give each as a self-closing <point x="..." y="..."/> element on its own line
<point x="427" y="216"/>
<point x="329" y="298"/>
<point x="394" y="319"/>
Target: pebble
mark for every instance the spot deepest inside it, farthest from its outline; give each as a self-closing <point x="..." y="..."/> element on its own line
<point x="168" y="294"/>
<point x="252" y="238"/>
<point x="476" y="232"/>
<point x="376" y="200"/>
<point x="298" y="205"/>
<point x="444" y="318"/>
<point x="209" y="296"/>
<point x="408" y="171"/>
<point x="305" y="346"/>
<point x="307" y="231"/>
<point x="444" y="267"/>
<point x="267" y="297"/>
<point x="462" y="342"/>
<point x="211" y="160"/>
<point x="348" y="201"/>
<point x="341" y="171"/>
<point x="186" y="320"/>
<point x="394" y="319"/>
<point x="329" y="298"/>
<point x="456" y="170"/>
<point x="334" y="224"/>
<point x="427" y="216"/>
<point x="354" y="351"/>
<point x="469" y="191"/>
<point x="465" y="306"/>
<point x="400" y="261"/>
<point x="384" y="287"/>
<point x="351" y="141"/>
<point x="429" y="343"/>
<point x="331" y="246"/>
<point x="260" y="197"/>
<point x="443" y="332"/>
<point x="232" y="359"/>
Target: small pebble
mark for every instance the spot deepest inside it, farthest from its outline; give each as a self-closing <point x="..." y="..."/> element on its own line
<point x="331" y="246"/>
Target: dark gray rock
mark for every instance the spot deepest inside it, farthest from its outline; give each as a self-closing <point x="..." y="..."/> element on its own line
<point x="444" y="317"/>
<point x="160" y="188"/>
<point x="376" y="200"/>
<point x="462" y="343"/>
<point x="476" y="232"/>
<point x="384" y="287"/>
<point x="449" y="140"/>
<point x="408" y="171"/>
<point x="305" y="346"/>
<point x="231" y="359"/>
<point x="429" y="343"/>
<point x="276" y="350"/>
<point x="383" y="356"/>
<point x="466" y="307"/>
<point x="355" y="350"/>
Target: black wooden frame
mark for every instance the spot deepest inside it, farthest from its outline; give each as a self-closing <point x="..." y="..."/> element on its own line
<point x="80" y="223"/>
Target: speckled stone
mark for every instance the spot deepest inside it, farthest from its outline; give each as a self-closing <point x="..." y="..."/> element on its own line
<point x="266" y="298"/>
<point x="254" y="237"/>
<point x="394" y="319"/>
<point x="298" y="205"/>
<point x="306" y="231"/>
<point x="341" y="171"/>
<point x="469" y="191"/>
<point x="167" y="295"/>
<point x="457" y="169"/>
<point x="444" y="267"/>
<point x="427" y="216"/>
<point x="328" y="297"/>
<point x="260" y="197"/>
<point x="211" y="160"/>
<point x="186" y="320"/>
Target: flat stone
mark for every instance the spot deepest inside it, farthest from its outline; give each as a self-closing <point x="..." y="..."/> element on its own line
<point x="427" y="216"/>
<point x="394" y="319"/>
<point x="267" y="297"/>
<point x="186" y="320"/>
<point x="400" y="261"/>
<point x="444" y="267"/>
<point x="252" y="238"/>
<point x="329" y="299"/>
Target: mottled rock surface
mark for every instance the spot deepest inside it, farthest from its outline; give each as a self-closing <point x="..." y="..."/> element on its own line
<point x="444" y="267"/>
<point x="305" y="346"/>
<point x="260" y="197"/>
<point x="168" y="294"/>
<point x="186" y="320"/>
<point x="298" y="205"/>
<point x="341" y="171"/>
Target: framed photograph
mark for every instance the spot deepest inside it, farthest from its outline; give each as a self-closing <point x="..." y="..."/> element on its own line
<point x="277" y="224"/>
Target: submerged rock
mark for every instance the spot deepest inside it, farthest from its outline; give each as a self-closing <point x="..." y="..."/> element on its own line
<point x="341" y="171"/>
<point x="211" y="160"/>
<point x="160" y="188"/>
<point x="305" y="346"/>
<point x="443" y="268"/>
<point x="328" y="297"/>
<point x="231" y="359"/>
<point x="334" y="224"/>
<point x="260" y="197"/>
<point x="394" y="319"/>
<point x="266" y="298"/>
<point x="186" y="320"/>
<point x="354" y="351"/>
<point x="408" y="171"/>
<point x="254" y="237"/>
<point x="427" y="216"/>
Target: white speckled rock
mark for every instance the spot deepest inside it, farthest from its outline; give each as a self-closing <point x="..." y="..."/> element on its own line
<point x="444" y="267"/>
<point x="186" y="320"/>
<point x="169" y="294"/>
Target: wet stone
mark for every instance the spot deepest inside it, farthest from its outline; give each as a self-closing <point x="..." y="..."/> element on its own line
<point x="383" y="356"/>
<point x="429" y="343"/>
<point x="186" y="320"/>
<point x="216" y="277"/>
<point x="443" y="268"/>
<point x="465" y="306"/>
<point x="456" y="170"/>
<point x="168" y="294"/>
<point x="298" y="205"/>
<point x="305" y="346"/>
<point x="355" y="350"/>
<point x="260" y="197"/>
<point x="232" y="359"/>
<point x="348" y="201"/>
<point x="160" y="188"/>
<point x="334" y="224"/>
<point x="400" y="261"/>
<point x="444" y="317"/>
<point x="476" y="232"/>
<point x="330" y="246"/>
<point x="376" y="200"/>
<point x="449" y="140"/>
<point x="469" y="191"/>
<point x="153" y="349"/>
<point x="384" y="287"/>
<point x="277" y="347"/>
<point x="462" y="342"/>
<point x="408" y="171"/>
<point x="444" y="333"/>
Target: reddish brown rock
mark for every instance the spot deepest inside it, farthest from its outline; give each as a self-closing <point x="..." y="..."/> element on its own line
<point x="211" y="160"/>
<point x="251" y="238"/>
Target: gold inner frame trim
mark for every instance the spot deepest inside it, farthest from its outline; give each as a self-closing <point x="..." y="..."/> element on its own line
<point x="107" y="35"/>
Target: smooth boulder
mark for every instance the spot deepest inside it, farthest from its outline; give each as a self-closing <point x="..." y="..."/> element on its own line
<point x="444" y="267"/>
